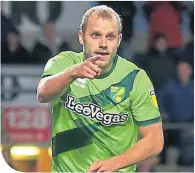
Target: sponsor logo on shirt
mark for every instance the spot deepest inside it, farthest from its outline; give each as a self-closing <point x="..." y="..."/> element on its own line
<point x="154" y="100"/>
<point x="80" y="82"/>
<point x="94" y="112"/>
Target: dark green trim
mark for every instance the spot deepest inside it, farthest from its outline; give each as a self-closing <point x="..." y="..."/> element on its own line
<point x="149" y="122"/>
<point x="45" y="76"/>
<point x="115" y="59"/>
<point x="73" y="138"/>
<point x="104" y="99"/>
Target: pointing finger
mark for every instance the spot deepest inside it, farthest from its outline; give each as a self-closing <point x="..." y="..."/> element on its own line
<point x="95" y="58"/>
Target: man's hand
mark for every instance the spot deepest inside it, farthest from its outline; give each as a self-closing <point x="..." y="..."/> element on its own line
<point x="88" y="68"/>
<point x="110" y="165"/>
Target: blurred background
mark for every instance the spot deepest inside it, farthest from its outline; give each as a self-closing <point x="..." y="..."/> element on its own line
<point x="157" y="36"/>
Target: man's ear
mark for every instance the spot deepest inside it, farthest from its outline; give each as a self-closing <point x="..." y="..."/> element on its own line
<point x="120" y="38"/>
<point x="80" y="36"/>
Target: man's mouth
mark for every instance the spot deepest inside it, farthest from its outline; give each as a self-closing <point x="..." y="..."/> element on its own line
<point x="102" y="53"/>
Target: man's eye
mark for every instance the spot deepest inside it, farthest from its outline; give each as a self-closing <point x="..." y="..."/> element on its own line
<point x="111" y="36"/>
<point x="95" y="35"/>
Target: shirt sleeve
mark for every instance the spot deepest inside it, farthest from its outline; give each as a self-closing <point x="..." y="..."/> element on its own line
<point x="144" y="106"/>
<point x="57" y="64"/>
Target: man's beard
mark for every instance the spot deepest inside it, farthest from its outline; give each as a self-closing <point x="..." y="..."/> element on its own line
<point x="87" y="55"/>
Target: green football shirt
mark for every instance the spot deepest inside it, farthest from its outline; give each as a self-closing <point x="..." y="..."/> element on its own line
<point x="100" y="118"/>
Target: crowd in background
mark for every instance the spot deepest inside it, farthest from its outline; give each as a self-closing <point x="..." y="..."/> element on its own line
<point x="168" y="62"/>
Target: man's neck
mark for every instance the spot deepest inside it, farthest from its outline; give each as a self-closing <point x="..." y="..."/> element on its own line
<point x="185" y="82"/>
<point x="107" y="68"/>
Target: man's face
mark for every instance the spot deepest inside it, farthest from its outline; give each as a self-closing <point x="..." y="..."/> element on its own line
<point x="161" y="44"/>
<point x="101" y="37"/>
<point x="49" y="31"/>
<point x="13" y="39"/>
<point x="184" y="71"/>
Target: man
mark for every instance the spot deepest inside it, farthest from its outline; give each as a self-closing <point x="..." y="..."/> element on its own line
<point x="159" y="63"/>
<point x="12" y="51"/>
<point x="177" y="92"/>
<point x="48" y="44"/>
<point x="100" y="102"/>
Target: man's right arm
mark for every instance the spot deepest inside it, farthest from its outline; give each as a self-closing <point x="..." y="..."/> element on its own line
<point x="54" y="86"/>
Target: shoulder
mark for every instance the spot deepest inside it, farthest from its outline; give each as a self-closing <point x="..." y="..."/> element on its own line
<point x="125" y="65"/>
<point x="63" y="60"/>
<point x="170" y="86"/>
<point x="69" y="53"/>
<point x="39" y="45"/>
<point x="23" y="49"/>
<point x="65" y="56"/>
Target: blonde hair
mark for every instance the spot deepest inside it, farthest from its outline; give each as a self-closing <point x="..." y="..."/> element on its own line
<point x="102" y="11"/>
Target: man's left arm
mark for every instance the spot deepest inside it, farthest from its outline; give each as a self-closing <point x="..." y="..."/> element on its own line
<point x="150" y="145"/>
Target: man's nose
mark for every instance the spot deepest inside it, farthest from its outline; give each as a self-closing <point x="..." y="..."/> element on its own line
<point x="103" y="43"/>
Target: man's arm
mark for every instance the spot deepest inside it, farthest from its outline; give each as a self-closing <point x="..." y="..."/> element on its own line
<point x="150" y="145"/>
<point x="54" y="86"/>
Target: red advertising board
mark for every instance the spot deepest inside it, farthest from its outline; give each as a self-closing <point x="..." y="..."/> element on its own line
<point x="27" y="124"/>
